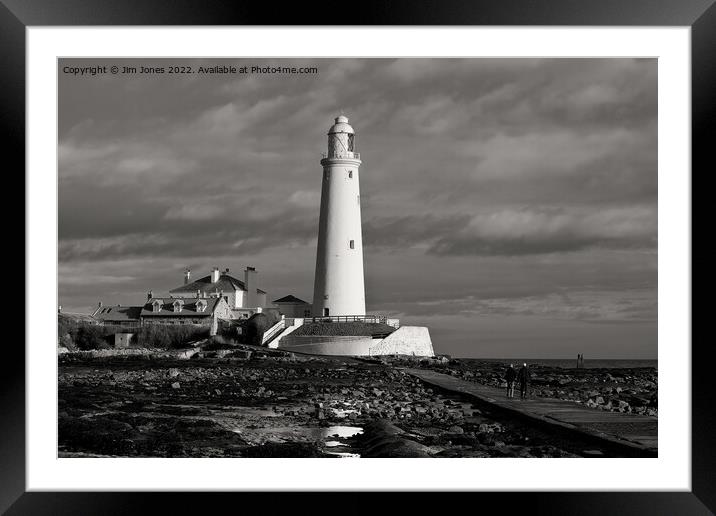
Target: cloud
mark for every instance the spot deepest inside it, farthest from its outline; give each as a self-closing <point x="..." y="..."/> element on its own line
<point x="539" y="231"/>
<point x="195" y="212"/>
<point x="595" y="306"/>
<point x="310" y="199"/>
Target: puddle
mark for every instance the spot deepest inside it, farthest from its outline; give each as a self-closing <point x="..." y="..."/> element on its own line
<point x="304" y="434"/>
<point x="307" y="432"/>
<point x="341" y="431"/>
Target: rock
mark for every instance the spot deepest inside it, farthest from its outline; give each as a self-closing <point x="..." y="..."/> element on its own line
<point x="176" y="385"/>
<point x="592" y="453"/>
<point x="456" y="430"/>
<point x="172" y="372"/>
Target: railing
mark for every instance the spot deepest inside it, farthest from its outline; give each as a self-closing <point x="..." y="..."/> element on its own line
<point x="348" y="318"/>
<point x="273" y="331"/>
<point x="349" y="155"/>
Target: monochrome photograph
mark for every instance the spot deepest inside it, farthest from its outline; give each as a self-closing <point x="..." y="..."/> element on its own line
<point x="348" y="258"/>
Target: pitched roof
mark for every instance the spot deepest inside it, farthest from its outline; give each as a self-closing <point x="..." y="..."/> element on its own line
<point x="226" y="283"/>
<point x="290" y="299"/>
<point x="118" y="313"/>
<point x="188" y="309"/>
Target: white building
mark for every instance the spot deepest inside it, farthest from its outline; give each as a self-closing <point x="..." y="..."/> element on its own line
<point x="237" y="294"/>
<point x="339" y="287"/>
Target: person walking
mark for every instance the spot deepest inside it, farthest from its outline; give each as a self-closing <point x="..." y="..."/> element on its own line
<point x="510" y="376"/>
<point x="523" y="376"/>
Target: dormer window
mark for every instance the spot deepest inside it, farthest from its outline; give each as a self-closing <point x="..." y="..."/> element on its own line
<point x="200" y="305"/>
<point x="178" y="305"/>
<point x="156" y="305"/>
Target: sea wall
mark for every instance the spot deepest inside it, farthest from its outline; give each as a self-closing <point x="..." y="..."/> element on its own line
<point x="406" y="340"/>
<point x="334" y="345"/>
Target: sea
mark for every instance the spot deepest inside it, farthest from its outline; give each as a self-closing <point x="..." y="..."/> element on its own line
<point x="570" y="363"/>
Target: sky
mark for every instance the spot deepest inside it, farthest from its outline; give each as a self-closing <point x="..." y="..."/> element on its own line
<point x="509" y="205"/>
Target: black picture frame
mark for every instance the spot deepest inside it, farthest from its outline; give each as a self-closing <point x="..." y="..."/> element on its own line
<point x="17" y="15"/>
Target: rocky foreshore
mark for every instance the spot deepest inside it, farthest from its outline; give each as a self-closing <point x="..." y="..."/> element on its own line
<point x="243" y="403"/>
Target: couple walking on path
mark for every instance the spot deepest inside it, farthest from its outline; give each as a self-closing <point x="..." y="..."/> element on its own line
<point x="522" y="377"/>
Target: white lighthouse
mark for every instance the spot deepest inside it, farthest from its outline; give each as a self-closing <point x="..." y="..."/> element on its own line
<point x="339" y="288"/>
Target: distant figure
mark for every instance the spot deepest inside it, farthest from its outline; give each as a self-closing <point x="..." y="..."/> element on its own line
<point x="510" y="376"/>
<point x="580" y="361"/>
<point x="523" y="376"/>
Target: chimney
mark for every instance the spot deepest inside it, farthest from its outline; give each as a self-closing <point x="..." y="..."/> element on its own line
<point x="99" y="305"/>
<point x="187" y="275"/>
<point x="215" y="275"/>
<point x="227" y="271"/>
<point x="198" y="293"/>
<point x="252" y="299"/>
<point x="150" y="295"/>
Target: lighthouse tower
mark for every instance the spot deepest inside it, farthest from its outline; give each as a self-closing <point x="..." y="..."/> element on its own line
<point x="339" y="287"/>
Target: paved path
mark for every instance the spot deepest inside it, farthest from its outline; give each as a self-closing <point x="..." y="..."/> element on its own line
<point x="632" y="430"/>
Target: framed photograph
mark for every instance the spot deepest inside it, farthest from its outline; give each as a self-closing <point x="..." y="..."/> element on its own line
<point x="414" y="248"/>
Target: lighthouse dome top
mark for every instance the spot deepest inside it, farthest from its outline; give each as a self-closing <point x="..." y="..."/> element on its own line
<point x="341" y="125"/>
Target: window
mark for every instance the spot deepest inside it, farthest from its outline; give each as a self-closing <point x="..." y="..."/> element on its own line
<point x="350" y="174"/>
<point x="325" y="312"/>
<point x="351" y="142"/>
<point x="358" y="200"/>
<point x="352" y="244"/>
<point x="327" y="175"/>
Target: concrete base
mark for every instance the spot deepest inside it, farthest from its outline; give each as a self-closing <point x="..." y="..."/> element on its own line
<point x="406" y="340"/>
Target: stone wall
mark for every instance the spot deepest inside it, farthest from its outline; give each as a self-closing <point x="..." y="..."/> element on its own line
<point x="315" y="345"/>
<point x="406" y="340"/>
